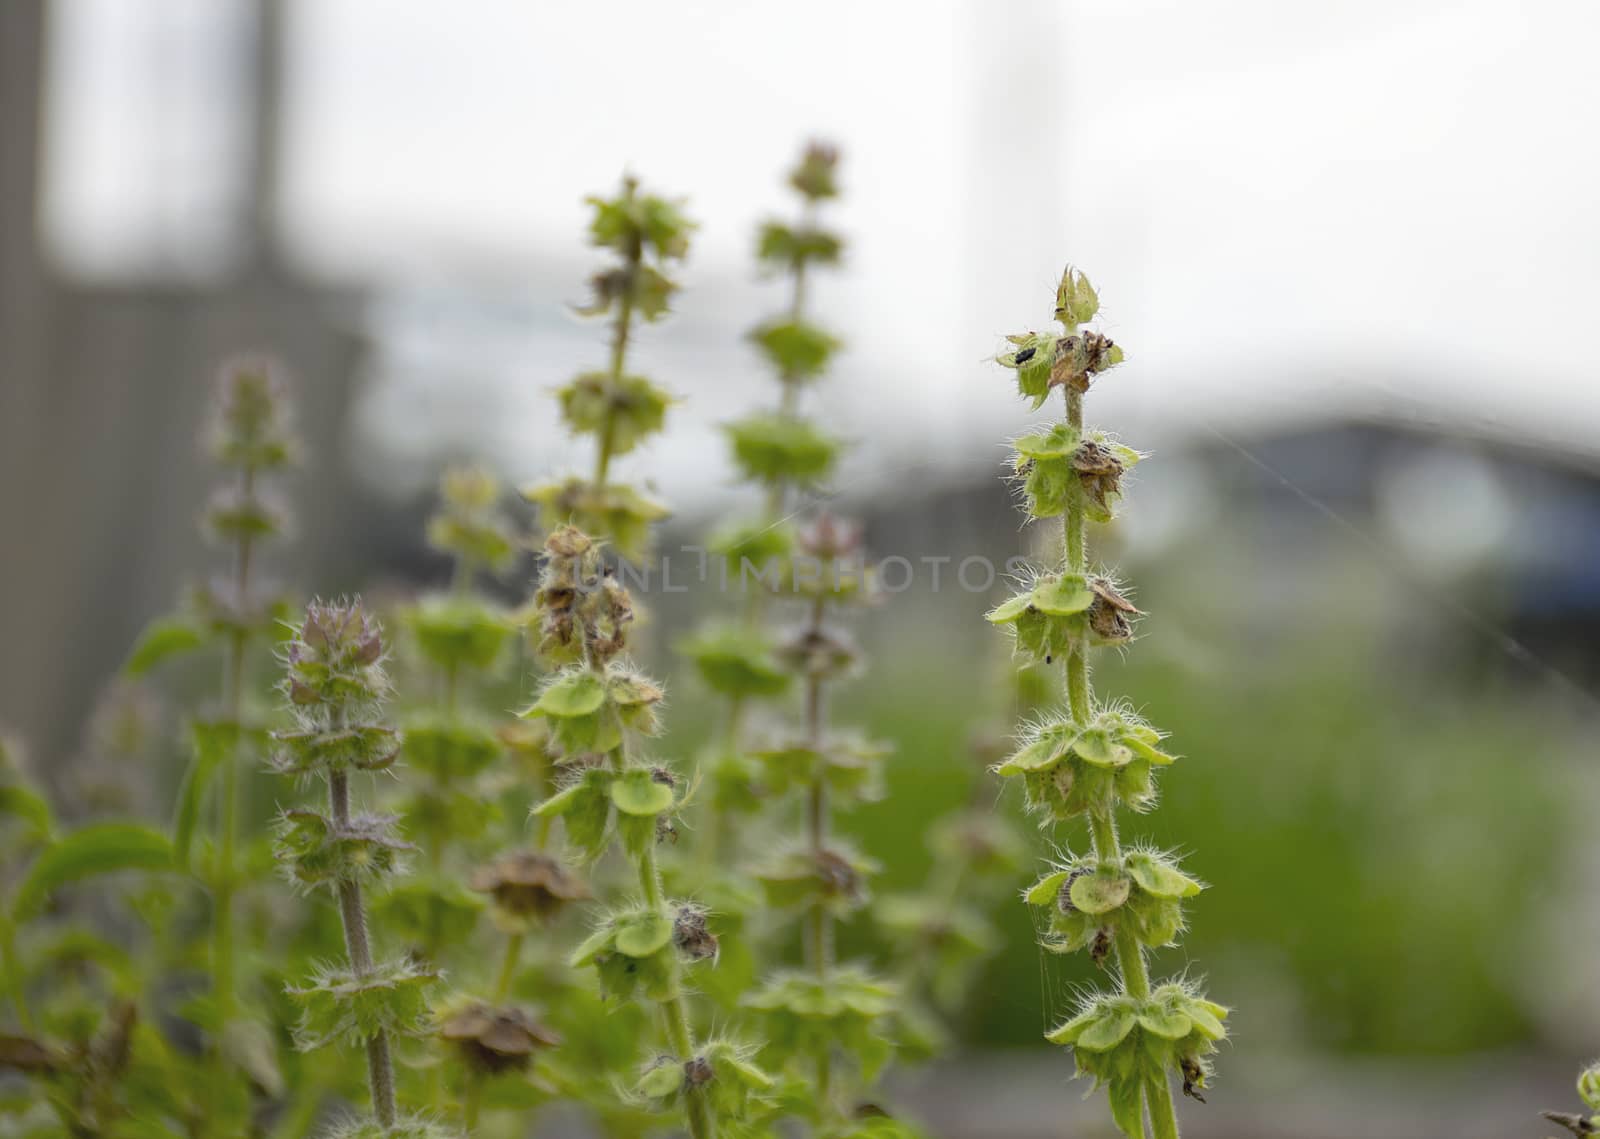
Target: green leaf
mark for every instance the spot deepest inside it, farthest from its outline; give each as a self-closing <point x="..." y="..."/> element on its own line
<point x="591" y="947"/>
<point x="1160" y="878"/>
<point x="777" y="448"/>
<point x="1009" y="609"/>
<point x="573" y="694"/>
<point x="161" y="639"/>
<point x="1095" y="748"/>
<point x="1069" y="1032"/>
<point x="1041" y="753"/>
<point x="1044" y="891"/>
<point x="28" y="805"/>
<point x="643" y="933"/>
<point x="1057" y="443"/>
<point x="98" y="849"/>
<point x="1127" y="1106"/>
<point x="1061" y="597"/>
<point x="1165" y="1023"/>
<point x="562" y="801"/>
<point x="797" y="350"/>
<point x="1100" y="892"/>
<point x="1106" y="1031"/>
<point x="661" y="1081"/>
<point x="637" y="792"/>
<point x="1206" y="1017"/>
<point x="214" y="743"/>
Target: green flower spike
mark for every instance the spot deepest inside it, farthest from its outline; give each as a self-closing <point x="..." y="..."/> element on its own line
<point x="1116" y="902"/>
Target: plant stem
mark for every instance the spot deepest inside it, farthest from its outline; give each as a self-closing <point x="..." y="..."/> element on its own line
<point x="380" y="1068"/>
<point x="673" y="1015"/>
<point x="619" y="353"/>
<point x="224" y="983"/>
<point x="508" y="967"/>
<point x="13" y="968"/>
<point x="1158" y="1099"/>
<point x="1102" y="823"/>
<point x="819" y="948"/>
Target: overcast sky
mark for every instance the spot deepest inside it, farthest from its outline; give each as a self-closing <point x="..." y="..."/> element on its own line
<point x="1289" y="208"/>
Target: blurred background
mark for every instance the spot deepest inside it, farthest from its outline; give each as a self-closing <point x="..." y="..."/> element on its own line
<point x="1349" y="249"/>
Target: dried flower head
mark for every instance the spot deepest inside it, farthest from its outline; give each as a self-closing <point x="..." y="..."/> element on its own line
<point x="527" y="885"/>
<point x="494" y="1039"/>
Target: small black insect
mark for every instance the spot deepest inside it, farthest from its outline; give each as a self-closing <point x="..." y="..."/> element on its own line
<point x="1025" y="355"/>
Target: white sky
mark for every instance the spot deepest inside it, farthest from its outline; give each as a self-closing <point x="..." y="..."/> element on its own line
<point x="1287" y="207"/>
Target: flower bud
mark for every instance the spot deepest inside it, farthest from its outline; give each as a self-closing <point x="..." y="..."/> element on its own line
<point x="1589" y="1086"/>
<point x="249" y="425"/>
<point x="814" y="175"/>
<point x="468" y="526"/>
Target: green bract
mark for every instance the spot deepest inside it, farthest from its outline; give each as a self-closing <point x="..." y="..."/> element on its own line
<point x="619" y="512"/>
<point x="1054" y="462"/>
<point x="1076" y="300"/>
<point x="1090" y="898"/>
<point x="367" y="747"/>
<point x="753" y="550"/>
<point x="585" y="805"/>
<point x="1125" y="1041"/>
<point x="341" y="1004"/>
<point x="629" y="408"/>
<point x="1070" y="768"/>
<point x="317" y="850"/>
<point x="736" y="660"/>
<point x="735" y="1084"/>
<point x="781" y="449"/>
<point x="631" y="220"/>
<point x="448" y="749"/>
<point x="789" y="246"/>
<point x="797" y="350"/>
<point x="469" y="526"/>
<point x="834" y="878"/>
<point x="634" y="952"/>
<point x="587" y="710"/>
<point x="851" y="767"/>
<point x="1059" y="610"/>
<point x="459" y="632"/>
<point x="808" y="1014"/>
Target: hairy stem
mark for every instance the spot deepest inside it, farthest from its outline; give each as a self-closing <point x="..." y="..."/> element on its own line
<point x="353" y="914"/>
<point x="1102" y="822"/>
<point x="819" y="943"/>
<point x="619" y="355"/>
<point x="508" y="967"/>
<point x="674" y="1017"/>
<point x="673" y="1014"/>
<point x="224" y="983"/>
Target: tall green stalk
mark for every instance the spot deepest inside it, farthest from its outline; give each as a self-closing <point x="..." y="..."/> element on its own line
<point x="249" y="437"/>
<point x="336" y="685"/>
<point x="598" y="704"/>
<point x="1094" y="759"/>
